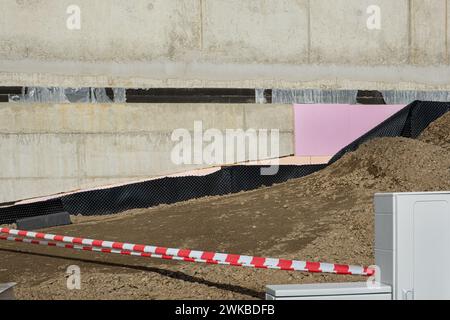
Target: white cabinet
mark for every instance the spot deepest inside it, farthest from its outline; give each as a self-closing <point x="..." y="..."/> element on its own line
<point x="412" y="243"/>
<point x="412" y="251"/>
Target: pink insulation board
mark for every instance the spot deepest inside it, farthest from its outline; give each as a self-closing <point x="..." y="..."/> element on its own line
<point x="324" y="129"/>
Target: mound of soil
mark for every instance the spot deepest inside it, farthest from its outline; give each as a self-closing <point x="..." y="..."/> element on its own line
<point x="438" y="132"/>
<point x="327" y="216"/>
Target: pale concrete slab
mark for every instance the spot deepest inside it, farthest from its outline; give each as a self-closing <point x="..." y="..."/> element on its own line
<point x="339" y="33"/>
<point x="270" y="116"/>
<point x="13" y="189"/>
<point x="428" y="26"/>
<point x="49" y="148"/>
<point x="122" y="118"/>
<point x="35" y="156"/>
<point x="216" y="43"/>
<point x="144" y="154"/>
<point x="110" y="30"/>
<point x="270" y="31"/>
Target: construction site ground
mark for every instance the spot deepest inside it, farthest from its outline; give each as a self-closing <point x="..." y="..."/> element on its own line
<point x="327" y="216"/>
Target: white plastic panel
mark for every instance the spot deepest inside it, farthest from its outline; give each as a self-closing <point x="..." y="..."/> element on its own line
<point x="385" y="261"/>
<point x="329" y="291"/>
<point x="380" y="296"/>
<point x="384" y="203"/>
<point x="384" y="237"/>
<point x="431" y="250"/>
<point x="415" y="262"/>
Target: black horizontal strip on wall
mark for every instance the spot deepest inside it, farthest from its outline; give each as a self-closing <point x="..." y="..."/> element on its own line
<point x="196" y="95"/>
<point x="370" y="97"/>
<point x="10" y="90"/>
<point x="5" y="92"/>
<point x="170" y="95"/>
<point x="192" y="95"/>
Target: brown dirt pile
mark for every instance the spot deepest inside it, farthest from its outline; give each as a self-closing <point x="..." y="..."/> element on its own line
<point x="327" y="216"/>
<point x="438" y="133"/>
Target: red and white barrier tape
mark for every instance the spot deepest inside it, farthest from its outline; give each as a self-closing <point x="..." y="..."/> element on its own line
<point x="184" y="254"/>
<point x="107" y="250"/>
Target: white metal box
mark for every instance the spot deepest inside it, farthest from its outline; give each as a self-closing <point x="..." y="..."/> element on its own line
<point x="412" y="243"/>
<point x="328" y="291"/>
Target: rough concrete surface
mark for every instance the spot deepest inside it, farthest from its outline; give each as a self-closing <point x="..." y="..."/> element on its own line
<point x="327" y="216"/>
<point x="52" y="148"/>
<point x="209" y="43"/>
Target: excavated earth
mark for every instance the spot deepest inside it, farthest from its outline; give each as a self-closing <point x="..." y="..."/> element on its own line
<point x="327" y="216"/>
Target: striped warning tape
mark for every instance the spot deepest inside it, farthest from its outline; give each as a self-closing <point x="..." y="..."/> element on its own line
<point x="183" y="254"/>
<point x="107" y="250"/>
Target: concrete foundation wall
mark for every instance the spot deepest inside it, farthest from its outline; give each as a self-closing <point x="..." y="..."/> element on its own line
<point x="233" y="43"/>
<point x="46" y="148"/>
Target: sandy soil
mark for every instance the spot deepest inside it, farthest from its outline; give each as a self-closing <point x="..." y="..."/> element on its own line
<point x="326" y="217"/>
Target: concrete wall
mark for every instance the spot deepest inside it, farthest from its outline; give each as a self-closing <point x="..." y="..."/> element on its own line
<point x="46" y="148"/>
<point x="233" y="43"/>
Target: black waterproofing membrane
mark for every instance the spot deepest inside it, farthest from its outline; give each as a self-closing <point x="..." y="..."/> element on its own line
<point x="408" y="122"/>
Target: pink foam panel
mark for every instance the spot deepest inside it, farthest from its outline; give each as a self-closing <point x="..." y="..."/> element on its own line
<point x="324" y="129"/>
